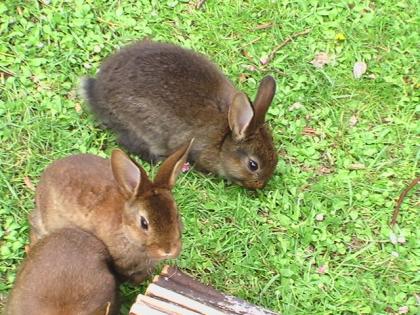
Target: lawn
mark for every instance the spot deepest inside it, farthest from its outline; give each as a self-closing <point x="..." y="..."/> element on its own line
<point x="317" y="239"/>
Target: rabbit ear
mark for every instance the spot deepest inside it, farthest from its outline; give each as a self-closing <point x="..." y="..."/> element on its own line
<point x="263" y="99"/>
<point x="171" y="167"/>
<point x="128" y="175"/>
<point x="102" y="310"/>
<point x="240" y="116"/>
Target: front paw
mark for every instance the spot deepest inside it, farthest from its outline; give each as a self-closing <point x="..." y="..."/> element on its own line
<point x="138" y="277"/>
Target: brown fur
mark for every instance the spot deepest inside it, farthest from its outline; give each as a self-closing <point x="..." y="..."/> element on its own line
<point x="108" y="198"/>
<point x="156" y="96"/>
<point x="65" y="273"/>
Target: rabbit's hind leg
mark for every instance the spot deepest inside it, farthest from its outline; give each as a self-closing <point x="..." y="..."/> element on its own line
<point x="138" y="146"/>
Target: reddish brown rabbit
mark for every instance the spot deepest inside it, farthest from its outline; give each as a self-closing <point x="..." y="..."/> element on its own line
<point x="65" y="273"/>
<point x="156" y="96"/>
<point x="136" y="218"/>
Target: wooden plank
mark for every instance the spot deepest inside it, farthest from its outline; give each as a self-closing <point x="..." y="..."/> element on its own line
<point x="140" y="308"/>
<point x="170" y="273"/>
<point x="164" y="306"/>
<point x="156" y="291"/>
<point x="175" y="280"/>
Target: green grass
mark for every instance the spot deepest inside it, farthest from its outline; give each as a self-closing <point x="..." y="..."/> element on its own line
<point x="265" y="247"/>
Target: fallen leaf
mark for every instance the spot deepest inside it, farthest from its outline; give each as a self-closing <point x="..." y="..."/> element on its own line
<point x="247" y="55"/>
<point x="308" y="131"/>
<point x="264" y="60"/>
<point x="319" y="217"/>
<point x="395" y="254"/>
<point x="403" y="310"/>
<point x="249" y="67"/>
<point x="28" y="183"/>
<point x="72" y="95"/>
<point x="320" y="60"/>
<point x="185" y="167"/>
<point x="78" y="108"/>
<point x="243" y="77"/>
<point x="324" y="170"/>
<point x="357" y="166"/>
<point x="401" y="239"/>
<point x="322" y="269"/>
<point x="356" y="243"/>
<point x="393" y="238"/>
<point x="87" y="65"/>
<point x="353" y="121"/>
<point x="295" y="106"/>
<point x="340" y="37"/>
<point x="359" y="69"/>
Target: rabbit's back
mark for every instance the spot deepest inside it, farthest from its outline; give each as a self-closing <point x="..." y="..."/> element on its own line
<point x="71" y="191"/>
<point x="157" y="95"/>
<point x="66" y="272"/>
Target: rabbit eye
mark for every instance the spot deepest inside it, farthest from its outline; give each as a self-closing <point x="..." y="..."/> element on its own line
<point x="144" y="224"/>
<point x="252" y="165"/>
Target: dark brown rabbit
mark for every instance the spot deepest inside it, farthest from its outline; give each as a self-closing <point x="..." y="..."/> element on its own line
<point x="155" y="96"/>
<point x="136" y="218"/>
<point x="66" y="273"/>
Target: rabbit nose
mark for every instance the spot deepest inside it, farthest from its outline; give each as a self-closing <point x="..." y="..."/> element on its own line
<point x="169" y="252"/>
<point x="166" y="254"/>
<point x="258" y="184"/>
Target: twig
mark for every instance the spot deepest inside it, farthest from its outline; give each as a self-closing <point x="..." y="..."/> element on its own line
<point x="107" y="22"/>
<point x="5" y="72"/>
<point x="400" y="200"/>
<point x="284" y="43"/>
<point x="264" y="26"/>
<point x="199" y="4"/>
<point x="251" y="42"/>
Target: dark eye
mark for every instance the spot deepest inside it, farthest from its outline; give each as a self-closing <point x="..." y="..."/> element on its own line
<point x="144" y="224"/>
<point x="252" y="165"/>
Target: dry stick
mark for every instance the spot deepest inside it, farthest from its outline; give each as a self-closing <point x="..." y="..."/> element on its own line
<point x="264" y="26"/>
<point x="284" y="43"/>
<point x="8" y="72"/>
<point x="107" y="22"/>
<point x="199" y="4"/>
<point x="400" y="200"/>
<point x="251" y="42"/>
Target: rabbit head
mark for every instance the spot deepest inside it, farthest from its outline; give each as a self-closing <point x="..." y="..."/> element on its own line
<point x="150" y="215"/>
<point x="248" y="153"/>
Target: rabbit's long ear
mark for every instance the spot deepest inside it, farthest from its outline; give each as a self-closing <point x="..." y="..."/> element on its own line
<point x="240" y="116"/>
<point x="103" y="310"/>
<point x="172" y="166"/>
<point x="263" y="99"/>
<point x="129" y="176"/>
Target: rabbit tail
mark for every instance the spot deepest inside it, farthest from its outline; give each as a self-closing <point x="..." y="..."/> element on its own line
<point x="88" y="92"/>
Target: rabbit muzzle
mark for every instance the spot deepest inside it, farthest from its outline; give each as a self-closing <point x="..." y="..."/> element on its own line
<point x="254" y="184"/>
<point x="165" y="252"/>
